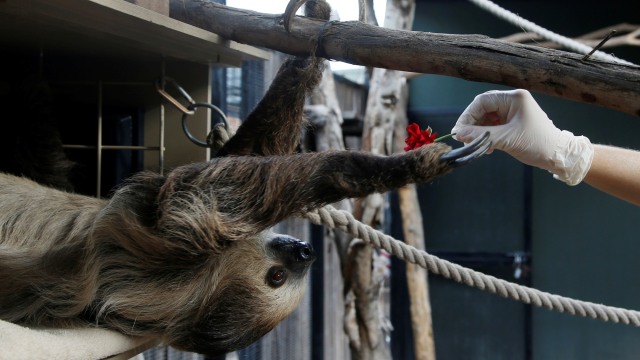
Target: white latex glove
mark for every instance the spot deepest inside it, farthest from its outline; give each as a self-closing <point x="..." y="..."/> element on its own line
<point x="519" y="127"/>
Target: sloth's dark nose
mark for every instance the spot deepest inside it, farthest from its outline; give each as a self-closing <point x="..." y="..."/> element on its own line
<point x="305" y="252"/>
<point x="292" y="250"/>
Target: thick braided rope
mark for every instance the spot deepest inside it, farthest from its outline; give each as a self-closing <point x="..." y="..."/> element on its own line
<point x="344" y="221"/>
<point x="547" y="34"/>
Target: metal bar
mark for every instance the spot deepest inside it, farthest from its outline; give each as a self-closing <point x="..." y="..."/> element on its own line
<point x="130" y="147"/>
<point x="161" y="154"/>
<point x="128" y="83"/>
<point x="105" y="83"/>
<point x="81" y="147"/>
<point x="162" y="118"/>
<point x="613" y="32"/>
<point x="112" y="147"/>
<point x="99" y="142"/>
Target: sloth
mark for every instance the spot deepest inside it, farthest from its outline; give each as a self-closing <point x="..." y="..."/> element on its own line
<point x="189" y="256"/>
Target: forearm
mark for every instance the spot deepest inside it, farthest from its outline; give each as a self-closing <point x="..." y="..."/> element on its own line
<point x="616" y="171"/>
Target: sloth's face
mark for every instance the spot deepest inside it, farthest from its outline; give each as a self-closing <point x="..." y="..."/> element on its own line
<point x="258" y="283"/>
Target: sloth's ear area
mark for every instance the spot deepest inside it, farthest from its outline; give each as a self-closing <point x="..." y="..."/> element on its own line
<point x="184" y="214"/>
<point x="194" y="231"/>
<point x="157" y="217"/>
<point x="186" y="223"/>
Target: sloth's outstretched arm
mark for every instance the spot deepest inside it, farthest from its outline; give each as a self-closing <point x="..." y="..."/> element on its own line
<point x="264" y="191"/>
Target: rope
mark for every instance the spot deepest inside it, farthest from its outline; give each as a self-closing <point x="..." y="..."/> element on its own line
<point x="549" y="35"/>
<point x="344" y="221"/>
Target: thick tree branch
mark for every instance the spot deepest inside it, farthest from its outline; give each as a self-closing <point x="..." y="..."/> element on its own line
<point x="469" y="57"/>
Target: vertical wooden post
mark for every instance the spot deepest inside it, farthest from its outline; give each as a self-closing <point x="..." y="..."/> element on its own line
<point x="417" y="282"/>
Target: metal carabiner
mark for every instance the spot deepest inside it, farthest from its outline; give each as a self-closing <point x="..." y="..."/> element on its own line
<point x="192" y="108"/>
<point x="160" y="84"/>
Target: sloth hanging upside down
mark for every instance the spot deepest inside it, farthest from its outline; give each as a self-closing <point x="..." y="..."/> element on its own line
<point x="189" y="256"/>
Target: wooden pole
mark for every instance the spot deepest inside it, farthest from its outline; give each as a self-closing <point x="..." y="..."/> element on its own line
<point x="417" y="281"/>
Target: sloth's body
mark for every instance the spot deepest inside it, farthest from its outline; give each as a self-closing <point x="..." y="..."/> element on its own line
<point x="69" y="260"/>
<point x="188" y="256"/>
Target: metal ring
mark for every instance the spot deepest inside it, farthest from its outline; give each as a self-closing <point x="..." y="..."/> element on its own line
<point x="192" y="107"/>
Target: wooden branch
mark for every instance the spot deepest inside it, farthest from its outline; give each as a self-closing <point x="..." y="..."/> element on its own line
<point x="469" y="57"/>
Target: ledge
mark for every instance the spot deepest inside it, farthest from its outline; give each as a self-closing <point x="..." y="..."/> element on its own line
<point x="114" y="28"/>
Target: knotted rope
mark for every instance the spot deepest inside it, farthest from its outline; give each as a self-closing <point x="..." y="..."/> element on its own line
<point x="344" y="221"/>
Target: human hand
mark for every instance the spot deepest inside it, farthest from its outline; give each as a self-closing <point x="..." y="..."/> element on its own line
<point x="521" y="128"/>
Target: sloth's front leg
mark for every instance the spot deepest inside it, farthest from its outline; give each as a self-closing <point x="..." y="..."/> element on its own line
<point x="265" y="190"/>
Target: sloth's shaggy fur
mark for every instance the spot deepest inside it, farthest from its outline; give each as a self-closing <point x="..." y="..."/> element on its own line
<point x="189" y="256"/>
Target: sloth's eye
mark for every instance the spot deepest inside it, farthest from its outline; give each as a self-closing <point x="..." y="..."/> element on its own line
<point x="276" y="276"/>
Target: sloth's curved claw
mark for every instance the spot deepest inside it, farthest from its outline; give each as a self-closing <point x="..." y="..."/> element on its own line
<point x="290" y="12"/>
<point x="469" y="152"/>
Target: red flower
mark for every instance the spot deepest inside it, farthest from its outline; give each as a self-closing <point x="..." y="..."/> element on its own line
<point x="418" y="137"/>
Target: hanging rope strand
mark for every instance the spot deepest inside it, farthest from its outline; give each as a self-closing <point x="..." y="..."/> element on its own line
<point x="547" y="34"/>
<point x="344" y="221"/>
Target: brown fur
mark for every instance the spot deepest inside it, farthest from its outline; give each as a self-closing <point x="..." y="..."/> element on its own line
<point x="186" y="256"/>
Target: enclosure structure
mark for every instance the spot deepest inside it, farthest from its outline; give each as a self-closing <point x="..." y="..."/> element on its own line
<point x="105" y="62"/>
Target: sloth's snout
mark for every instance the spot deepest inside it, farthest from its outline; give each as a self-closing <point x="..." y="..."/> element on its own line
<point x="293" y="251"/>
<point x="305" y="252"/>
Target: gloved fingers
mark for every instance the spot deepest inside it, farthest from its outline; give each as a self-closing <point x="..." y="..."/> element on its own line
<point x="494" y="107"/>
<point x="467" y="133"/>
<point x="491" y="108"/>
<point x="501" y="107"/>
<point x="476" y="110"/>
<point x="487" y="119"/>
<point x="468" y="119"/>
